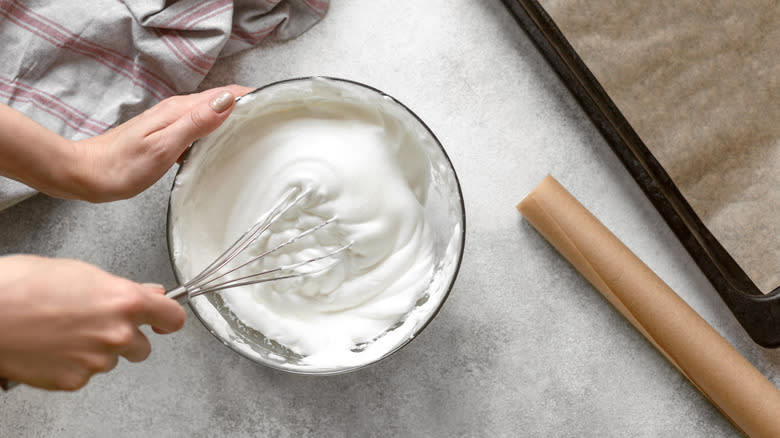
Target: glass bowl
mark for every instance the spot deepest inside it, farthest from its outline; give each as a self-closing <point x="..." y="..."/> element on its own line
<point x="444" y="210"/>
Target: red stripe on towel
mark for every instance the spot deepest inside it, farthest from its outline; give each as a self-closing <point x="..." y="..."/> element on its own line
<point x="183" y="52"/>
<point x="18" y="92"/>
<point x="182" y="20"/>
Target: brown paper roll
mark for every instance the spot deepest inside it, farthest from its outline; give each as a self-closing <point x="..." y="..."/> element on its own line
<point x="723" y="375"/>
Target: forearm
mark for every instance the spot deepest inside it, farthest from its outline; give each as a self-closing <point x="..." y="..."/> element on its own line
<point x="35" y="155"/>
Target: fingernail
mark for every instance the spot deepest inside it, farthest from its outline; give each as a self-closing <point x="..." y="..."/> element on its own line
<point x="153" y="285"/>
<point x="222" y="102"/>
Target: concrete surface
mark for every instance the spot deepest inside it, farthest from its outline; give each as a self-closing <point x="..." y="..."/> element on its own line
<point x="523" y="347"/>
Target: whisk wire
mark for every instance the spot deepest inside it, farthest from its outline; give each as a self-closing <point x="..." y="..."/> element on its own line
<point x="204" y="282"/>
<point x="245" y="280"/>
<point x="270" y="251"/>
<point x="248" y="237"/>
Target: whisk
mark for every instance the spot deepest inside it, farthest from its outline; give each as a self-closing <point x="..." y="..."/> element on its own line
<point x="213" y="277"/>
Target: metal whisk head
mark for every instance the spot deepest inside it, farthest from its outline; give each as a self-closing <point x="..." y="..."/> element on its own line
<point x="213" y="277"/>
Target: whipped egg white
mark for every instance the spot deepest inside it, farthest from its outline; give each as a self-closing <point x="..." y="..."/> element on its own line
<point x="361" y="166"/>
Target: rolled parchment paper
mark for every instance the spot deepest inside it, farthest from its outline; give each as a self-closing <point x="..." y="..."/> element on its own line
<point x="723" y="375"/>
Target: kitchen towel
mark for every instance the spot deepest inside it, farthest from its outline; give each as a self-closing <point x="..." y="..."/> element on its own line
<point x="79" y="68"/>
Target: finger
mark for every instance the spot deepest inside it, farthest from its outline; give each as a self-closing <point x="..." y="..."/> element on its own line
<point x="177" y="108"/>
<point x="160" y="331"/>
<point x="161" y="312"/>
<point x="73" y="379"/>
<point x="113" y="361"/>
<point x="216" y="98"/>
<point x="200" y="120"/>
<point x="158" y="289"/>
<point x="168" y="111"/>
<point x="100" y="362"/>
<point x="239" y="90"/>
<point x="236" y="90"/>
<point x="138" y="349"/>
<point x="155" y="288"/>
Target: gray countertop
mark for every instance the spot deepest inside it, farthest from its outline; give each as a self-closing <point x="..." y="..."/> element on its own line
<point x="523" y="347"/>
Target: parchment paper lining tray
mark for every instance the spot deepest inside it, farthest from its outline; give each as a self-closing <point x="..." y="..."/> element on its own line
<point x="686" y="94"/>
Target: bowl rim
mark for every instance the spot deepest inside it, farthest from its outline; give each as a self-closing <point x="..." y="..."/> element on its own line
<point x="416" y="332"/>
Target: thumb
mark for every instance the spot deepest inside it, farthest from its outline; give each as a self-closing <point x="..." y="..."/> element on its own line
<point x="202" y="118"/>
<point x="159" y="290"/>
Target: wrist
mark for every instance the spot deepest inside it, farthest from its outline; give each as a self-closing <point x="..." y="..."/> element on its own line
<point x="65" y="172"/>
<point x="89" y="174"/>
<point x="36" y="156"/>
<point x="75" y="176"/>
<point x="68" y="178"/>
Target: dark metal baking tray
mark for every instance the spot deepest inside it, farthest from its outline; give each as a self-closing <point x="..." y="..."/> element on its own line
<point x="758" y="313"/>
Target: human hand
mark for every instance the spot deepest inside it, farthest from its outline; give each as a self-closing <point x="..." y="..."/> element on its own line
<point x="62" y="321"/>
<point x="131" y="157"/>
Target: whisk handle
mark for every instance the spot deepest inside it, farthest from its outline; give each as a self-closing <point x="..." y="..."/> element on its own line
<point x="180" y="294"/>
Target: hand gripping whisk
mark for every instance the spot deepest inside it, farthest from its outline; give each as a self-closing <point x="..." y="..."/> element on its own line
<point x="213" y="277"/>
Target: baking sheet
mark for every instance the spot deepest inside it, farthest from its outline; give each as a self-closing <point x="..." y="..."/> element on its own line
<point x="698" y="82"/>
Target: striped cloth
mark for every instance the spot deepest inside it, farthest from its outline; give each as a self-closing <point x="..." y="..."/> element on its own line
<point x="80" y="67"/>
